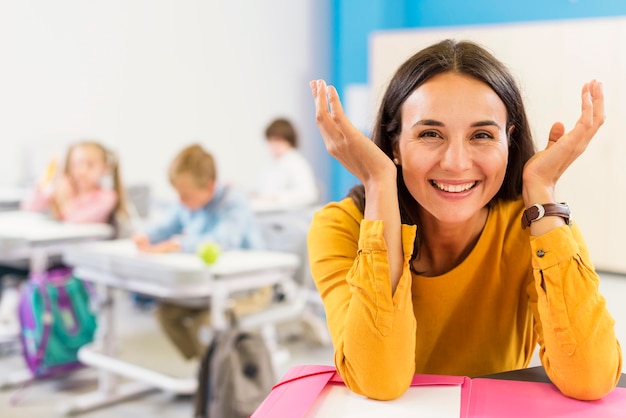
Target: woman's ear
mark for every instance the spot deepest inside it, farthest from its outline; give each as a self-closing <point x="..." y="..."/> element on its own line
<point x="396" y="154"/>
<point x="509" y="133"/>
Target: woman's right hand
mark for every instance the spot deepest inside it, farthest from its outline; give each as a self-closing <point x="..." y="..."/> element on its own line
<point x="363" y="158"/>
<point x="356" y="152"/>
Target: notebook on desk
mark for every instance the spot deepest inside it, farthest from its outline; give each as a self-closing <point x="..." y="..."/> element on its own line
<point x="318" y="391"/>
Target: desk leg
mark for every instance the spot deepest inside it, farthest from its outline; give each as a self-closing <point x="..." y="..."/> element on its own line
<point x="109" y="390"/>
<point x="219" y="302"/>
<point x="38" y="260"/>
<point x="100" y="399"/>
<point x="107" y="380"/>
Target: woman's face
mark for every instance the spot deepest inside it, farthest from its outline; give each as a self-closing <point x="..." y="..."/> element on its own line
<point x="453" y="146"/>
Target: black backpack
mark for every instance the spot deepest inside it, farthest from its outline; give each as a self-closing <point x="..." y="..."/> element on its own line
<point x="236" y="374"/>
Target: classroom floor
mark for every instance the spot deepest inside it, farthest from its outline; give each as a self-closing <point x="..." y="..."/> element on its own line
<point x="42" y="399"/>
<point x="141" y="342"/>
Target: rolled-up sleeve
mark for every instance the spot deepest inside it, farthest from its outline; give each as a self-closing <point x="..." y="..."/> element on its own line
<point x="373" y="331"/>
<point x="578" y="346"/>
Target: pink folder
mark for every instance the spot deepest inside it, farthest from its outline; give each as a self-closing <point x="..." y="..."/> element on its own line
<point x="296" y="393"/>
<point x="512" y="398"/>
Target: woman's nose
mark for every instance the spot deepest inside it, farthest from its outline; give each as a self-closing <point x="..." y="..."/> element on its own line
<point x="456" y="156"/>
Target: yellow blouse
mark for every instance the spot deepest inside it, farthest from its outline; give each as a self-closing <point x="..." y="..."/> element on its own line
<point x="484" y="316"/>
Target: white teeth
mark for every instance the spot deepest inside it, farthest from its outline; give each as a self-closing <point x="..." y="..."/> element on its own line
<point x="454" y="188"/>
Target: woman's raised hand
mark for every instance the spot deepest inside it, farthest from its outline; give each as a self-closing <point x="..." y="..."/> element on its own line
<point x="356" y="152"/>
<point x="544" y="169"/>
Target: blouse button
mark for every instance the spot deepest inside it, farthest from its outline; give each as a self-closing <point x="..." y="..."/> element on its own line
<point x="540" y="253"/>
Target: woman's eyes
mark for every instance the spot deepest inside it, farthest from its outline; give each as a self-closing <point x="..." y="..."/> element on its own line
<point x="478" y="135"/>
<point x="483" y="135"/>
<point x="429" y="134"/>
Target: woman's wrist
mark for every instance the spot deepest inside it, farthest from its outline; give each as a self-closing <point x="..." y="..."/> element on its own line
<point x="537" y="194"/>
<point x="379" y="200"/>
<point x="541" y="195"/>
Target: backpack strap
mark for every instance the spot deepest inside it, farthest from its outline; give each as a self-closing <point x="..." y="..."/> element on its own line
<point x="40" y="280"/>
<point x="46" y="319"/>
<point x="202" y="392"/>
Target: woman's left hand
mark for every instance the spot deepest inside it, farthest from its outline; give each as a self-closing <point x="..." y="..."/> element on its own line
<point x="544" y="169"/>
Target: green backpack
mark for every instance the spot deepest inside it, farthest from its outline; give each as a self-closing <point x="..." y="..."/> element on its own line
<point x="56" y="321"/>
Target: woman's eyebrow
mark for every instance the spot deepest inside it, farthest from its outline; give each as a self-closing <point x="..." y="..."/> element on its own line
<point x="428" y="122"/>
<point x="485" y="123"/>
<point x="433" y="122"/>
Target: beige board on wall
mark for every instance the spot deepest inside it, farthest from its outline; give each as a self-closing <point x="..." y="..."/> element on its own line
<point x="551" y="61"/>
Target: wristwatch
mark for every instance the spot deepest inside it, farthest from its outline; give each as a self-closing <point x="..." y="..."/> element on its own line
<point x="538" y="211"/>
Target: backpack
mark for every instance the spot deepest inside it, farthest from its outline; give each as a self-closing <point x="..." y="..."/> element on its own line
<point x="236" y="374"/>
<point x="55" y="320"/>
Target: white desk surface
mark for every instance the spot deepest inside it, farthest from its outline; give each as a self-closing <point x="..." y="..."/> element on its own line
<point x="439" y="401"/>
<point x="122" y="259"/>
<point x="11" y="197"/>
<point x="32" y="228"/>
<point x="33" y="238"/>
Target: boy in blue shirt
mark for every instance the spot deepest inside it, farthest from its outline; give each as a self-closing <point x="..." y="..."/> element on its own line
<point x="207" y="211"/>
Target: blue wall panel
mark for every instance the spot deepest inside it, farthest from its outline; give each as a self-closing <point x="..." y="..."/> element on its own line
<point x="354" y="20"/>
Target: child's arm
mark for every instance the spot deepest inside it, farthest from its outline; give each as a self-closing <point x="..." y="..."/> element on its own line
<point x="38" y="201"/>
<point x="234" y="221"/>
<point x="91" y="208"/>
<point x="161" y="237"/>
<point x="41" y="198"/>
<point x="143" y="244"/>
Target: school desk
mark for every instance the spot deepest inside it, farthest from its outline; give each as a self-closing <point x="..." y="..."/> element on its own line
<point x="33" y="238"/>
<point x="30" y="239"/>
<point x="319" y="392"/>
<point x="11" y="197"/>
<point x="117" y="264"/>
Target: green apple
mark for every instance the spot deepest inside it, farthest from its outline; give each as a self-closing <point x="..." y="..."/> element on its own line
<point x="209" y="252"/>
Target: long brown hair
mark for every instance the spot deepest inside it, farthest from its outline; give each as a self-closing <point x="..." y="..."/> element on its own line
<point x="463" y="57"/>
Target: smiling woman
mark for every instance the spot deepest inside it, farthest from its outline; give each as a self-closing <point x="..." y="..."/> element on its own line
<point x="425" y="267"/>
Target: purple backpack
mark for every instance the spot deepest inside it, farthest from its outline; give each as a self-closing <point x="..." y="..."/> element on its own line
<point x="56" y="320"/>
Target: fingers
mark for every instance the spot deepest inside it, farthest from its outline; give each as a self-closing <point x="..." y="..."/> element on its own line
<point x="597" y="96"/>
<point x="331" y="120"/>
<point x="592" y="106"/>
<point x="322" y="115"/>
<point x="557" y="131"/>
<point x="591" y="118"/>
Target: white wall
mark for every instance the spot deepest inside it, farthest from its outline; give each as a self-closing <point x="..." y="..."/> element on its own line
<point x="552" y="60"/>
<point x="148" y="77"/>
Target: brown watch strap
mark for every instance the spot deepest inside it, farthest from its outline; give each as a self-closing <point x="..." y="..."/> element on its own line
<point x="537" y="211"/>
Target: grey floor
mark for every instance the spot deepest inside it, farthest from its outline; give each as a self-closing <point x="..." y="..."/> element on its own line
<point x="146" y="344"/>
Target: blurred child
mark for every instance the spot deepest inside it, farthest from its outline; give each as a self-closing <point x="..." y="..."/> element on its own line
<point x="207" y="211"/>
<point x="287" y="181"/>
<point x="88" y="191"/>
